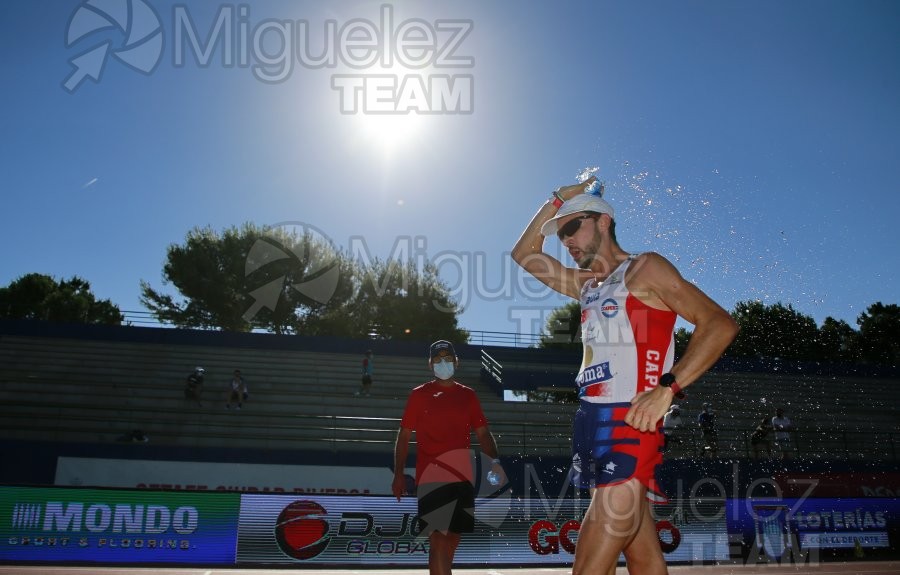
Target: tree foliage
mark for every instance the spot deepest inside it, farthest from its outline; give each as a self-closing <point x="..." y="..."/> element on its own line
<point x="41" y="297"/>
<point x="837" y="341"/>
<point x="563" y="328"/>
<point x="399" y="301"/>
<point x="773" y="331"/>
<point x="682" y="337"/>
<point x="296" y="282"/>
<point x="247" y="278"/>
<point x="879" y="334"/>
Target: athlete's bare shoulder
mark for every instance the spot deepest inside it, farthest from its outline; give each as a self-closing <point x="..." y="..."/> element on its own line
<point x="653" y="264"/>
<point x="649" y="276"/>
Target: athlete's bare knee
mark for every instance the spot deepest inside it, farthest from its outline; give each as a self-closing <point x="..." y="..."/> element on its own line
<point x="643" y="554"/>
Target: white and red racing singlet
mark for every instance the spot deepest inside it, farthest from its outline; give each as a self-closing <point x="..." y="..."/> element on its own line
<point x="628" y="345"/>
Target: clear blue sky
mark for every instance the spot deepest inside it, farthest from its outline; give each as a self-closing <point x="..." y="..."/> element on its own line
<point x="754" y="143"/>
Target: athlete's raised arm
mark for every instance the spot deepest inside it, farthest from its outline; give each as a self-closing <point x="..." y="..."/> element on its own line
<point x="529" y="250"/>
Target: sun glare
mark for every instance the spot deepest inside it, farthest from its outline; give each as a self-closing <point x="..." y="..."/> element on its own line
<point x="389" y="132"/>
<point x="390" y="106"/>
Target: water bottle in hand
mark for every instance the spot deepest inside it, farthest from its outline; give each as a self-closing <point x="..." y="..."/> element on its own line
<point x="493" y="477"/>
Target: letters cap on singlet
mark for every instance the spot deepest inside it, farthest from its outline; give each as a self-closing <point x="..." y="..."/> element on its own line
<point x="580" y="203"/>
<point x="439" y="346"/>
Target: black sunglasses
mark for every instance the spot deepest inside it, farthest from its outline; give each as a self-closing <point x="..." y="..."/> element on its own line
<point x="572" y="226"/>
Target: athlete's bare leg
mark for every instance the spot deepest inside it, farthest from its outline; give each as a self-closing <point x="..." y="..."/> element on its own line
<point x="643" y="554"/>
<point x="442" y="548"/>
<point x="618" y="519"/>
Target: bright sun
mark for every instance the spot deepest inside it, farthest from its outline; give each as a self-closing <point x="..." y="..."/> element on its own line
<point x="386" y="106"/>
<point x="389" y="132"/>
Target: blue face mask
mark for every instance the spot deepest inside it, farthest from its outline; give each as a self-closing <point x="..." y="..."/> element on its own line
<point x="443" y="369"/>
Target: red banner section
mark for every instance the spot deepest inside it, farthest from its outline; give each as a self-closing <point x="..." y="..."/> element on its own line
<point x="852" y="484"/>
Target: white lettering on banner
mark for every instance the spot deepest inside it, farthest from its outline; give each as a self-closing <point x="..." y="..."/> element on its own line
<point x="387" y="548"/>
<point x="841" y="519"/>
<point x="843" y="540"/>
<point x="84" y="542"/>
<point x="244" y="477"/>
<point x="99" y="518"/>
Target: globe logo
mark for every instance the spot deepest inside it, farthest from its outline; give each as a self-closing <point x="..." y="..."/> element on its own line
<point x="301" y="530"/>
<point x="135" y="19"/>
<point x="291" y="255"/>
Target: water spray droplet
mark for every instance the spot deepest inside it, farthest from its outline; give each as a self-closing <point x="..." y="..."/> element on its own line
<point x="586" y="173"/>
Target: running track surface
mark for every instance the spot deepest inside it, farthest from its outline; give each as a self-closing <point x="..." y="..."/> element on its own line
<point x="858" y="568"/>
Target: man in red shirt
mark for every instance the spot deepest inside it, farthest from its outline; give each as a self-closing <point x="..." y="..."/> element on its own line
<point x="443" y="413"/>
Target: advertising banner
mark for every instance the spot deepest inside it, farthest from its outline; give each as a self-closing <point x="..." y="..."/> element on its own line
<point x="117" y="526"/>
<point x="188" y="475"/>
<point x="790" y="526"/>
<point x="324" y="530"/>
<point x="838" y="484"/>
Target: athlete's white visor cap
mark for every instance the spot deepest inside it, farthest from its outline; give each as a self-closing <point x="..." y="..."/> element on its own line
<point x="580" y="203"/>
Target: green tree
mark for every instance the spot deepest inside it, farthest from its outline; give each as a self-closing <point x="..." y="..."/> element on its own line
<point x="773" y="331"/>
<point x="39" y="296"/>
<point x="396" y="300"/>
<point x="563" y="327"/>
<point x="682" y="337"/>
<point x="246" y="278"/>
<point x="879" y="334"/>
<point x="289" y="282"/>
<point x="837" y="341"/>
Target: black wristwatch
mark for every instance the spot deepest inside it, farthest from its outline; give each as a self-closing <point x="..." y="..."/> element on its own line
<point x="668" y="380"/>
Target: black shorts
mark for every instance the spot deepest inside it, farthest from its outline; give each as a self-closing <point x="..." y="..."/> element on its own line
<point x="367" y="380"/>
<point x="447" y="507"/>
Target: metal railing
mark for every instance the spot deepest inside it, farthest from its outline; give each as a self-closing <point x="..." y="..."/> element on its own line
<point x="828" y="443"/>
<point x="504" y="339"/>
<point x="489" y="338"/>
<point x="491" y="369"/>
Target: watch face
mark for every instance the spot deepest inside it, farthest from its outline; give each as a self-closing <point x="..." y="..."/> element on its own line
<point x="667" y="380"/>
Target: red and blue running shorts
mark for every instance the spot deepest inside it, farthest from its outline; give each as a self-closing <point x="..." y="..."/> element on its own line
<point x="606" y="451"/>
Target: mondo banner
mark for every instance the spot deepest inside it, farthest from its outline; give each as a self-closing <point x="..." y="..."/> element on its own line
<point x="116" y="526"/>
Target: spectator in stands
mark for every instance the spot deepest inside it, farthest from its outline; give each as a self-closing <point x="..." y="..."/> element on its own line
<point x="707" y="423"/>
<point x="138" y="436"/>
<point x="193" y="385"/>
<point x="367" y="365"/>
<point x="671" y="422"/>
<point x="443" y="413"/>
<point x="134" y="436"/>
<point x="759" y="440"/>
<point x="237" y="390"/>
<point x="783" y="427"/>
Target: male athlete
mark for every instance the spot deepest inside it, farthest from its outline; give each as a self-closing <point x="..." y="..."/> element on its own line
<point x="627" y="380"/>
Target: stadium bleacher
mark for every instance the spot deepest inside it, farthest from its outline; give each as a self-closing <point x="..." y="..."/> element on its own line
<point x="93" y="385"/>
